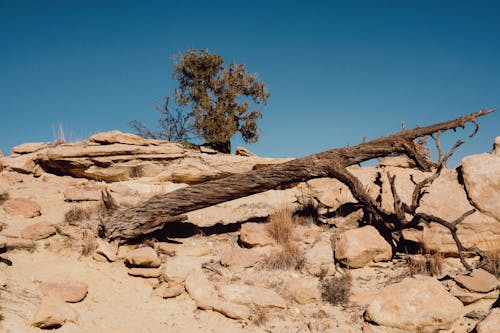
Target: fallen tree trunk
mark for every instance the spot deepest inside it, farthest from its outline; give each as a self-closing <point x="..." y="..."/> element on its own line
<point x="128" y="223"/>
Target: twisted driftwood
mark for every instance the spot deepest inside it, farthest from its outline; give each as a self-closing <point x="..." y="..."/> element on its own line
<point x="124" y="224"/>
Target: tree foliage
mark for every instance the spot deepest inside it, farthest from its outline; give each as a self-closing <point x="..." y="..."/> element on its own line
<point x="214" y="102"/>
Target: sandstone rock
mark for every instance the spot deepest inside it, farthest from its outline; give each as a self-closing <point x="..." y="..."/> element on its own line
<point x="237" y="257"/>
<point x="481" y="175"/>
<point x="68" y="291"/>
<point x="169" y="291"/>
<point x="143" y="257"/>
<point x="242" y="151"/>
<point x="255" y="234"/>
<point x="200" y="289"/>
<point x="3" y="242"/>
<point x="490" y="324"/>
<point x="467" y="297"/>
<point x="320" y="254"/>
<point x="479" y="280"/>
<point x="22" y="206"/>
<point x="19" y="243"/>
<point x="78" y="194"/>
<point x="29" y="147"/>
<point x="118" y="137"/>
<point x="447" y="199"/>
<point x="53" y="313"/>
<point x="178" y="268"/>
<point x="232" y="310"/>
<point x="330" y="192"/>
<point x="251" y="295"/>
<point x="496" y="146"/>
<point x="23" y="163"/>
<point x="144" y="272"/>
<point x="401" y="161"/>
<point x="303" y="290"/>
<point x="106" y="249"/>
<point x="415" y="304"/>
<point x="38" y="231"/>
<point x="356" y="248"/>
<point x="207" y="150"/>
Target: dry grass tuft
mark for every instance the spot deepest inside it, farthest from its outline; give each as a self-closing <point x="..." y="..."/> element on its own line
<point x="336" y="290"/>
<point x="430" y="263"/>
<point x="491" y="262"/>
<point x="89" y="243"/>
<point x="280" y="226"/>
<point x="259" y="316"/>
<point x="77" y="214"/>
<point x="288" y="257"/>
<point x="307" y="213"/>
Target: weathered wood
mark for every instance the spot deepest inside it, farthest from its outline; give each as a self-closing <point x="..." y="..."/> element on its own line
<point x="128" y="223"/>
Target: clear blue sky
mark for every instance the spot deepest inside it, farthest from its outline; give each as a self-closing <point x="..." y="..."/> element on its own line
<point x="337" y="70"/>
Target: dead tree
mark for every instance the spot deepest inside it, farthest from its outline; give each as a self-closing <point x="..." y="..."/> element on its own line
<point x="128" y="223"/>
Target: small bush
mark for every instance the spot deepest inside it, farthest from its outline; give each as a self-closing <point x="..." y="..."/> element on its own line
<point x="430" y="263"/>
<point x="280" y="226"/>
<point x="288" y="257"/>
<point x="336" y="290"/>
<point x="76" y="214"/>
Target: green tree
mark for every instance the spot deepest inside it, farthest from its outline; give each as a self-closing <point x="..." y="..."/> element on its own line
<point x="216" y="93"/>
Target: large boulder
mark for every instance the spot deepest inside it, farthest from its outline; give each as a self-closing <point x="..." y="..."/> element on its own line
<point x="143" y="257"/>
<point x="482" y="181"/>
<point x="415" y="304"/>
<point x="357" y="247"/>
<point x="255" y="234"/>
<point x="22" y="163"/>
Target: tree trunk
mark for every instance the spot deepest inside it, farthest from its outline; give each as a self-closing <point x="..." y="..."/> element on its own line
<point x="128" y="223"/>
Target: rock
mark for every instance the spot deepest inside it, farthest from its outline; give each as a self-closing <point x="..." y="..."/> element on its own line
<point x="232" y="310"/>
<point x="178" y="268"/>
<point x="53" y="313"/>
<point x="401" y="161"/>
<point x="330" y="192"/>
<point x="481" y="175"/>
<point x="29" y="147"/>
<point x="22" y="163"/>
<point x="3" y="242"/>
<point x="242" y="151"/>
<point x="470" y="297"/>
<point x="255" y="234"/>
<point x="479" y="280"/>
<point x="419" y="303"/>
<point x="200" y="289"/>
<point x="357" y="247"/>
<point x="22" y="206"/>
<point x="78" y="194"/>
<point x="19" y="243"/>
<point x="169" y="291"/>
<point x="143" y="257"/>
<point x="447" y="199"/>
<point x="38" y="231"/>
<point x="207" y="150"/>
<point x="303" y="290"/>
<point x="68" y="291"/>
<point x="320" y="254"/>
<point x="118" y="137"/>
<point x="490" y="324"/>
<point x="106" y="249"/>
<point x="144" y="272"/>
<point x="235" y="256"/>
<point x="251" y="295"/>
<point x="496" y="146"/>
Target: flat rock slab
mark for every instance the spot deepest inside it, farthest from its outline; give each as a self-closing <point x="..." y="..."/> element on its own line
<point x="251" y="295"/>
<point x="414" y="304"/>
<point x="68" y="291"/>
<point x="78" y="194"/>
<point x="143" y="257"/>
<point x="144" y="272"/>
<point x="53" y="313"/>
<point x="255" y="234"/>
<point x="490" y="324"/>
<point x="22" y="207"/>
<point x="479" y="281"/>
<point x="38" y="231"/>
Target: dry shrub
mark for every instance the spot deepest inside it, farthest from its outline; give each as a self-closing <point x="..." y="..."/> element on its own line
<point x="259" y="315"/>
<point x="336" y="290"/>
<point x="89" y="243"/>
<point x="430" y="263"/>
<point x="491" y="262"/>
<point x="288" y="257"/>
<point x="280" y="226"/>
<point x="77" y="214"/>
<point x="4" y="197"/>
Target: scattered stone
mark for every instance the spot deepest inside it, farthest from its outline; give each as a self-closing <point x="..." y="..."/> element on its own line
<point x="255" y="234"/>
<point x="39" y="230"/>
<point x="144" y="272"/>
<point x="320" y="254"/>
<point x="357" y="247"/>
<point x="169" y="291"/>
<point x="242" y="151"/>
<point x="482" y="182"/>
<point x="143" y="257"/>
<point x="415" y="304"/>
<point x="479" y="280"/>
<point x="53" y="312"/>
<point x="78" y="194"/>
<point x="110" y="137"/>
<point x="29" y="147"/>
<point x="251" y="295"/>
<point x="22" y="206"/>
<point x="178" y="268"/>
<point x="68" y="291"/>
<point x="106" y="249"/>
<point x="303" y="290"/>
<point x="490" y="324"/>
<point x="238" y="257"/>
